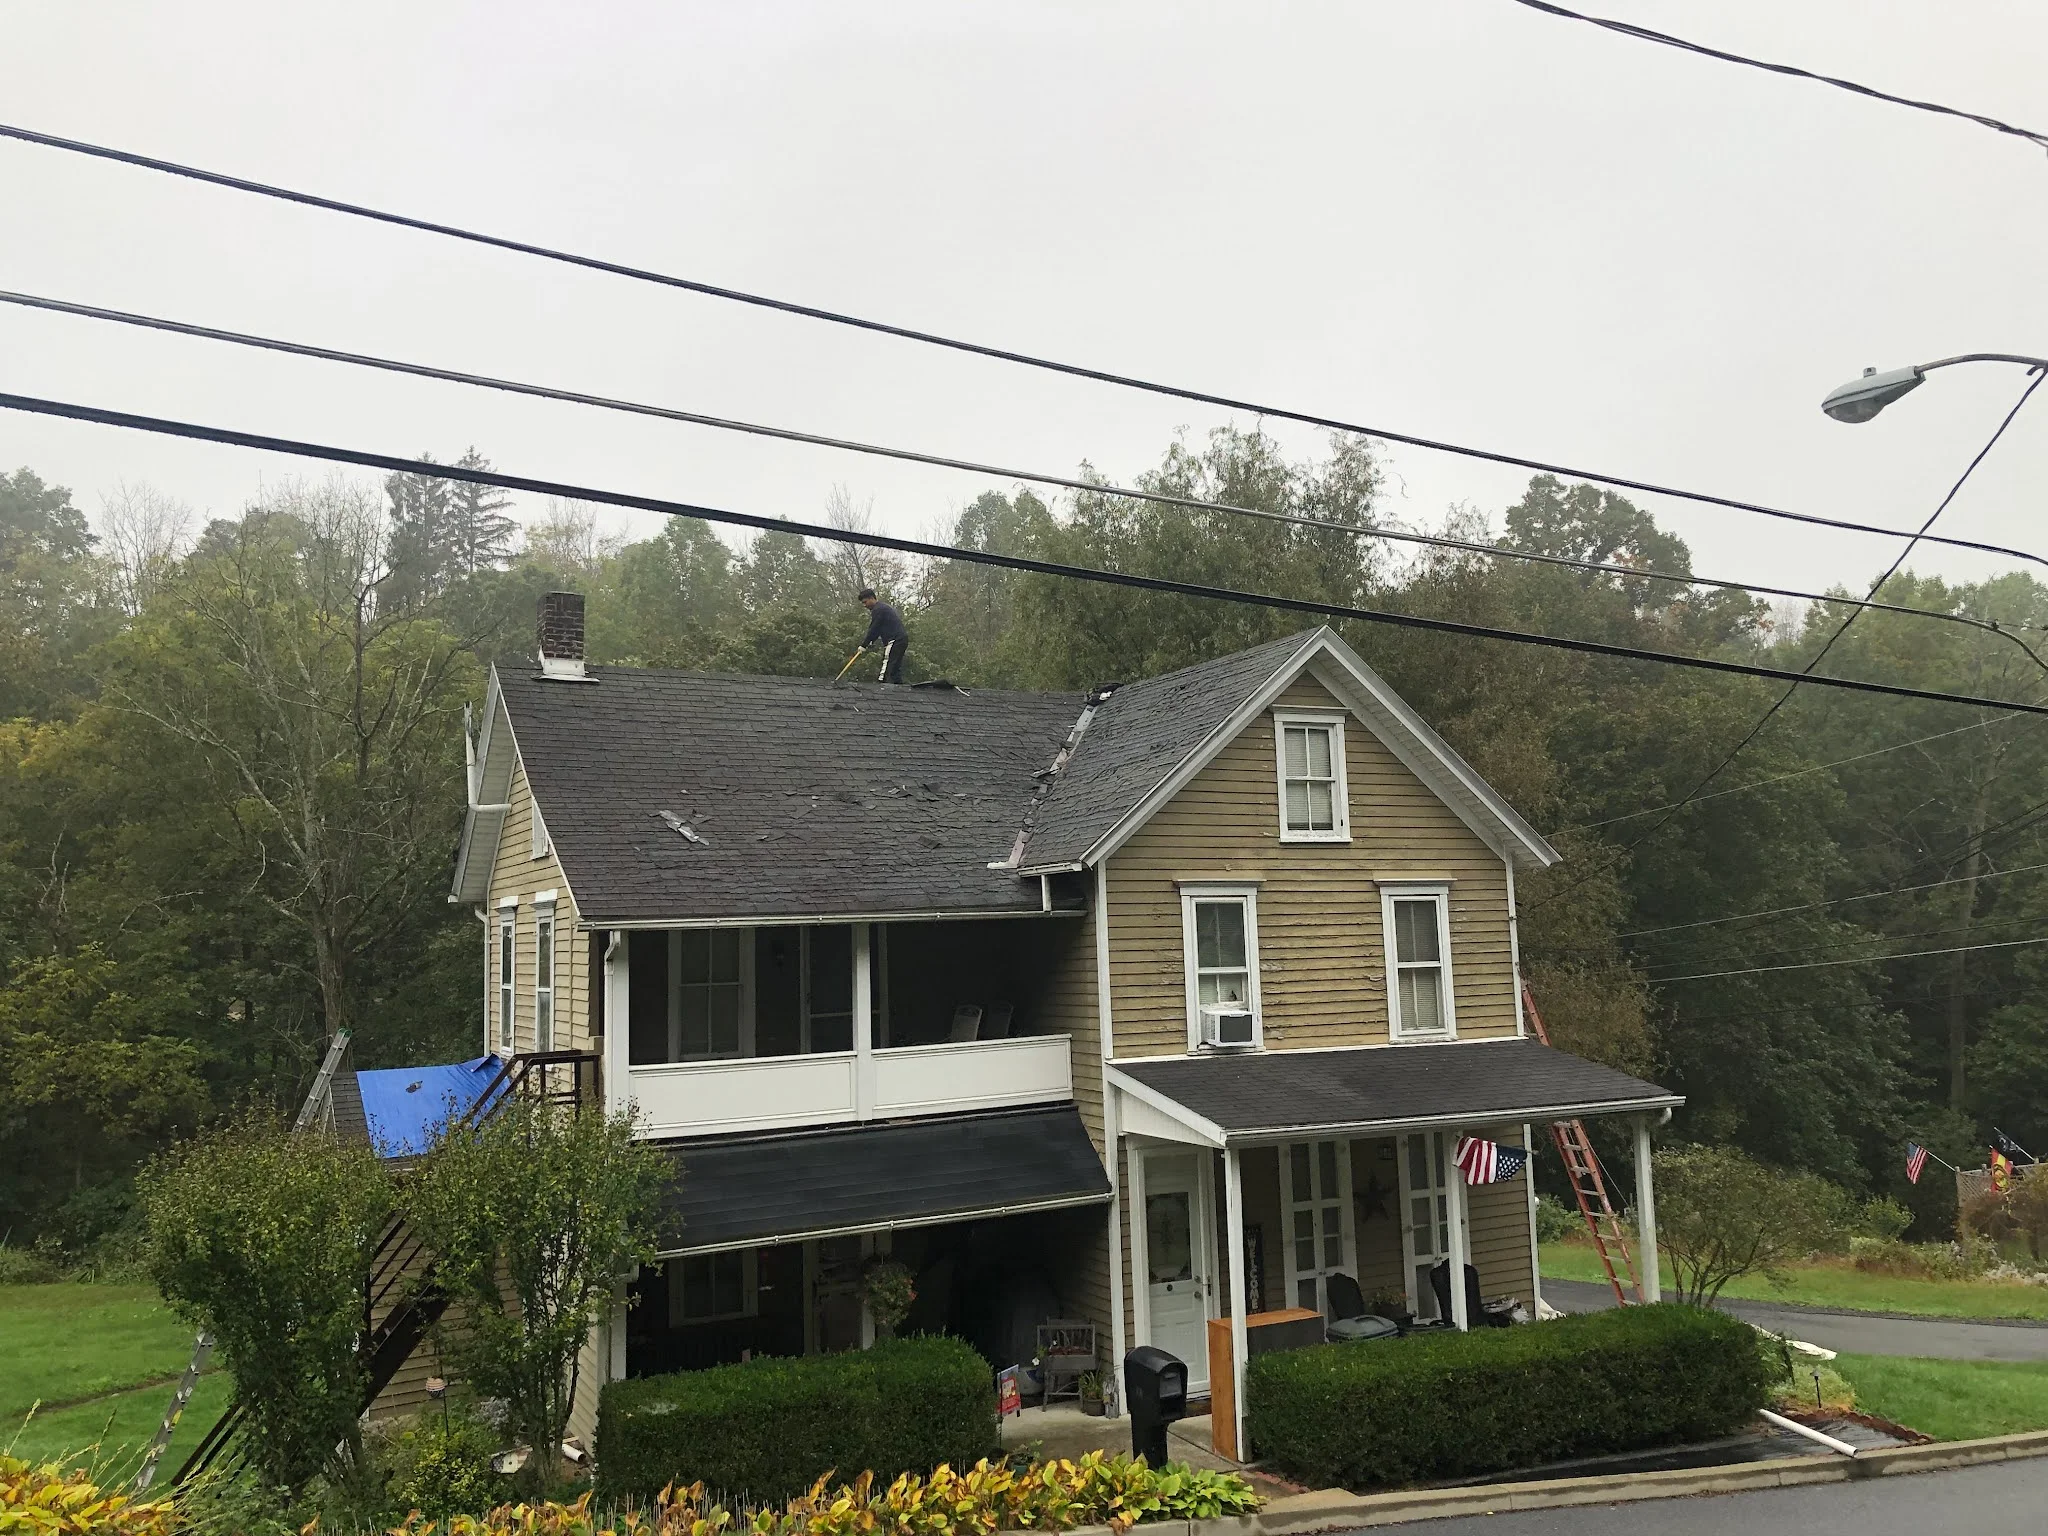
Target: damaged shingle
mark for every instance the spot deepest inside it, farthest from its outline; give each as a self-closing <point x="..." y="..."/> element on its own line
<point x="677" y="824"/>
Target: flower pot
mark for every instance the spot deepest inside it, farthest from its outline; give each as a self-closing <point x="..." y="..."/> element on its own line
<point x="1092" y="1405"/>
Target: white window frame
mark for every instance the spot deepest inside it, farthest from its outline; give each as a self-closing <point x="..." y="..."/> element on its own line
<point x="750" y="1288"/>
<point x="542" y="847"/>
<point x="1331" y="721"/>
<point x="1294" y="1201"/>
<point x="1438" y="891"/>
<point x="546" y="962"/>
<point x="676" y="940"/>
<point x="1246" y="893"/>
<point x="505" y="965"/>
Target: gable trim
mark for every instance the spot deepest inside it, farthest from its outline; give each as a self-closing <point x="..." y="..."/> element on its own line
<point x="1418" y="748"/>
<point x="483" y="826"/>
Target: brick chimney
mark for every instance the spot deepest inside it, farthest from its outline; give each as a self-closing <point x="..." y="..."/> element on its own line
<point x="561" y="634"/>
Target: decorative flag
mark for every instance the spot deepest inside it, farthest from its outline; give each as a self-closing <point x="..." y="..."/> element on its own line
<point x="2001" y="1171"/>
<point x="1916" y="1159"/>
<point x="2009" y="1147"/>
<point x="1488" y="1162"/>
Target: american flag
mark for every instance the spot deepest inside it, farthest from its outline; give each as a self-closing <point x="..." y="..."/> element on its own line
<point x="1488" y="1162"/>
<point x="1916" y="1159"/>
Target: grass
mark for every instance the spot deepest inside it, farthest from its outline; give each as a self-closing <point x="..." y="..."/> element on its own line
<point x="1951" y="1399"/>
<point x="104" y="1360"/>
<point x="1836" y="1284"/>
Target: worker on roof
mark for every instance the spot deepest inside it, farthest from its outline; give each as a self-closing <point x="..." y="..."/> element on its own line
<point x="885" y="628"/>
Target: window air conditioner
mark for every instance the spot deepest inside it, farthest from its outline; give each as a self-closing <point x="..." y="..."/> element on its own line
<point x="1227" y="1027"/>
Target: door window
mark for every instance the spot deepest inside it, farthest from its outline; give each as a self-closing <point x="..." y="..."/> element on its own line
<point x="1169" y="1236"/>
<point x="1427" y="1228"/>
<point x="1318" y="1175"/>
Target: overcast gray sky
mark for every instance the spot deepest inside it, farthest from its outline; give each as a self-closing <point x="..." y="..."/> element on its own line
<point x="1457" y="218"/>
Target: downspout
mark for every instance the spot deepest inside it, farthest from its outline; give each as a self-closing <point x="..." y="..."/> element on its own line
<point x="1112" y="1135"/>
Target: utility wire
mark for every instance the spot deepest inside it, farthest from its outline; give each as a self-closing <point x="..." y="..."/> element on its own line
<point x="1813" y="965"/>
<point x="394" y="464"/>
<point x="1833" y="901"/>
<point x="1645" y="34"/>
<point x="1841" y="942"/>
<point x="1780" y="778"/>
<point x="954" y="344"/>
<point x="1842" y="629"/>
<point x="1035" y="477"/>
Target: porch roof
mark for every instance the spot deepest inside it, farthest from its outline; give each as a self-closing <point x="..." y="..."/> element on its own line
<point x="1235" y="1098"/>
<point x="750" y="1191"/>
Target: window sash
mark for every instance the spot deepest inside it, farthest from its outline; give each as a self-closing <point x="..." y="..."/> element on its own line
<point x="710" y="995"/>
<point x="1418" y="948"/>
<point x="1309" y="778"/>
<point x="544" y="982"/>
<point x="507" y="937"/>
<point x="711" y="1287"/>
<point x="1222" y="951"/>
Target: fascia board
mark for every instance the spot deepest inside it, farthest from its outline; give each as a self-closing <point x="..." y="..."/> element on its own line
<point x="1173" y="1109"/>
<point x="1262" y="1135"/>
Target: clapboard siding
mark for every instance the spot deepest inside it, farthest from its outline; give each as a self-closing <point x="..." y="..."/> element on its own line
<point x="517" y="874"/>
<point x="1082" y="1272"/>
<point x="1498" y="1220"/>
<point x="1322" y="962"/>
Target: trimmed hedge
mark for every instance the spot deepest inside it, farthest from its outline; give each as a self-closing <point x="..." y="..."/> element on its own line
<point x="1445" y="1405"/>
<point x="769" y="1429"/>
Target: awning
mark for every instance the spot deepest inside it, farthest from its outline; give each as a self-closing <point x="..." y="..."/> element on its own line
<point x="749" y="1191"/>
<point x="1225" y="1098"/>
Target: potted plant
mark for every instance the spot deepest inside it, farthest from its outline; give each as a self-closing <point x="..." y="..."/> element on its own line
<point x="1391" y="1304"/>
<point x="887" y="1289"/>
<point x="1090" y="1385"/>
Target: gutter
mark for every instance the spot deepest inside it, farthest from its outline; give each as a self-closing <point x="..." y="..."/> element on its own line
<point x="938" y="1219"/>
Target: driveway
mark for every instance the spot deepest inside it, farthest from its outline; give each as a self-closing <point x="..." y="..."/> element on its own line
<point x="1858" y="1333"/>
<point x="2004" y="1498"/>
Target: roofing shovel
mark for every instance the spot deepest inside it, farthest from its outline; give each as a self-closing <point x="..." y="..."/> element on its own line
<point x="849" y="663"/>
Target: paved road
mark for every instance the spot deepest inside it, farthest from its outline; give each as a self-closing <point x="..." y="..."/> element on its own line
<point x="1855" y="1333"/>
<point x="2006" y="1498"/>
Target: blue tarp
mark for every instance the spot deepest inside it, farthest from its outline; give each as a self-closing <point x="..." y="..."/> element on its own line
<point x="407" y="1106"/>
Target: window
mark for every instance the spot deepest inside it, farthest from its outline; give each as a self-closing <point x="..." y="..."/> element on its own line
<point x="1220" y="942"/>
<point x="707" y="1015"/>
<point x="1418" y="961"/>
<point x="541" y="846"/>
<point x="544" y="978"/>
<point x="709" y="1287"/>
<point x="508" y="918"/>
<point x="1318" y="1219"/>
<point x="1314" y="803"/>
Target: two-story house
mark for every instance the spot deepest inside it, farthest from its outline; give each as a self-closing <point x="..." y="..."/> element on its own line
<point x="1148" y="1006"/>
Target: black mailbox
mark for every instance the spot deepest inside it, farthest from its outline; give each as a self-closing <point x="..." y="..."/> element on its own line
<point x="1156" y="1385"/>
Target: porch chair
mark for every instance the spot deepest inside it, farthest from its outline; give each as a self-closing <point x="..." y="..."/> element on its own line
<point x="1348" y="1317"/>
<point x="1066" y="1353"/>
<point x="966" y="1024"/>
<point x="996" y="1026"/>
<point x="1477" y="1314"/>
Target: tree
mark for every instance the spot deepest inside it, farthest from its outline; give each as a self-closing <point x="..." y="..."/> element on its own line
<point x="146" y="532"/>
<point x="480" y="535"/>
<point x="46" y="587"/>
<point x="322" y="724"/>
<point x="262" y="1239"/>
<point x="533" y="1216"/>
<point x="1721" y="1214"/>
<point x="419" y="553"/>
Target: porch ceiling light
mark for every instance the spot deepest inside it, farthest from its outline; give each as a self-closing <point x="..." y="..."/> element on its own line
<point x="1860" y="399"/>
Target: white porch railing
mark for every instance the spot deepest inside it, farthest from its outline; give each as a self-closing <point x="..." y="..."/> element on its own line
<point x="766" y="1093"/>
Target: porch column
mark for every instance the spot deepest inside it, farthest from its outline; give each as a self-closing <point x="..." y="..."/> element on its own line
<point x="1233" y="1209"/>
<point x="1535" y="1262"/>
<point x="1646" y="1216"/>
<point x="618" y="1029"/>
<point x="1454" y="1201"/>
<point x="863" y="1023"/>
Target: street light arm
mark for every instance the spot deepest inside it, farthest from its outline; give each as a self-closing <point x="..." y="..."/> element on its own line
<point x="1984" y="357"/>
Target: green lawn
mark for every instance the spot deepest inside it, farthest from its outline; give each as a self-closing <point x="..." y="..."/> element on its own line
<point x="1837" y="1285"/>
<point x="1951" y="1399"/>
<point x="76" y="1347"/>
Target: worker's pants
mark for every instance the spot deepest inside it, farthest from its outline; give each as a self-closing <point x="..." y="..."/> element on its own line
<point x="892" y="661"/>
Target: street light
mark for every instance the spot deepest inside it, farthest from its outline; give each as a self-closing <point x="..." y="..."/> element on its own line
<point x="1861" y="399"/>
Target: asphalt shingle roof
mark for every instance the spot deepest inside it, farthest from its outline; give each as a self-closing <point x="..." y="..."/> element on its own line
<point x="1138" y="736"/>
<point x="1257" y="1094"/>
<point x="811" y="798"/>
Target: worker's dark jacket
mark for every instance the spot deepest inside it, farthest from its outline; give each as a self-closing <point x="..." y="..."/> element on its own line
<point x="885" y="624"/>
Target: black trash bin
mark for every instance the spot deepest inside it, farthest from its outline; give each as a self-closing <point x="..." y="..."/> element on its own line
<point x="1156" y="1384"/>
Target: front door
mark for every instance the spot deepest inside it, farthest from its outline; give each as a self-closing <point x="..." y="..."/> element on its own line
<point x="1317" y="1177"/>
<point x="1177" y="1246"/>
<point x="1426" y="1213"/>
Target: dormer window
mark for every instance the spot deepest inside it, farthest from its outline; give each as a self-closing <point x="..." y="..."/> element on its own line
<point x="1314" y="801"/>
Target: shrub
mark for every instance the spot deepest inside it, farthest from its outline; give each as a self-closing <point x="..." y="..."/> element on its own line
<point x="40" y="1265"/>
<point x="1556" y="1221"/>
<point x="1099" y="1489"/>
<point x="770" y="1428"/>
<point x="442" y="1466"/>
<point x="51" y="1501"/>
<point x="1722" y="1214"/>
<point x="1442" y="1405"/>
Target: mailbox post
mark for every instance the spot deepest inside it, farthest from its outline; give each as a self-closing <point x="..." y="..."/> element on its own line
<point x="1157" y="1385"/>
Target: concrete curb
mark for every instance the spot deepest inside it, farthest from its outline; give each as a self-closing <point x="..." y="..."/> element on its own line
<point x="1331" y="1509"/>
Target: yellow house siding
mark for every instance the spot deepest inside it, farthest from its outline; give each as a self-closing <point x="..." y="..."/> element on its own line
<point x="1322" y="961"/>
<point x="1498" y="1219"/>
<point x="516" y="873"/>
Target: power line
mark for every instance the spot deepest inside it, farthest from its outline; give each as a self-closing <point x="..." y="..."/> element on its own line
<point x="1835" y="901"/>
<point x="1645" y="34"/>
<point x="1814" y="965"/>
<point x="1037" y="477"/>
<point x="394" y="464"/>
<point x="956" y="344"/>
<point x="1780" y="778"/>
<point x="1840" y="942"/>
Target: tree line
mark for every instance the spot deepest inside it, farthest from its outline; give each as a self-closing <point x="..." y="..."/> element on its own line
<point x="231" y="781"/>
